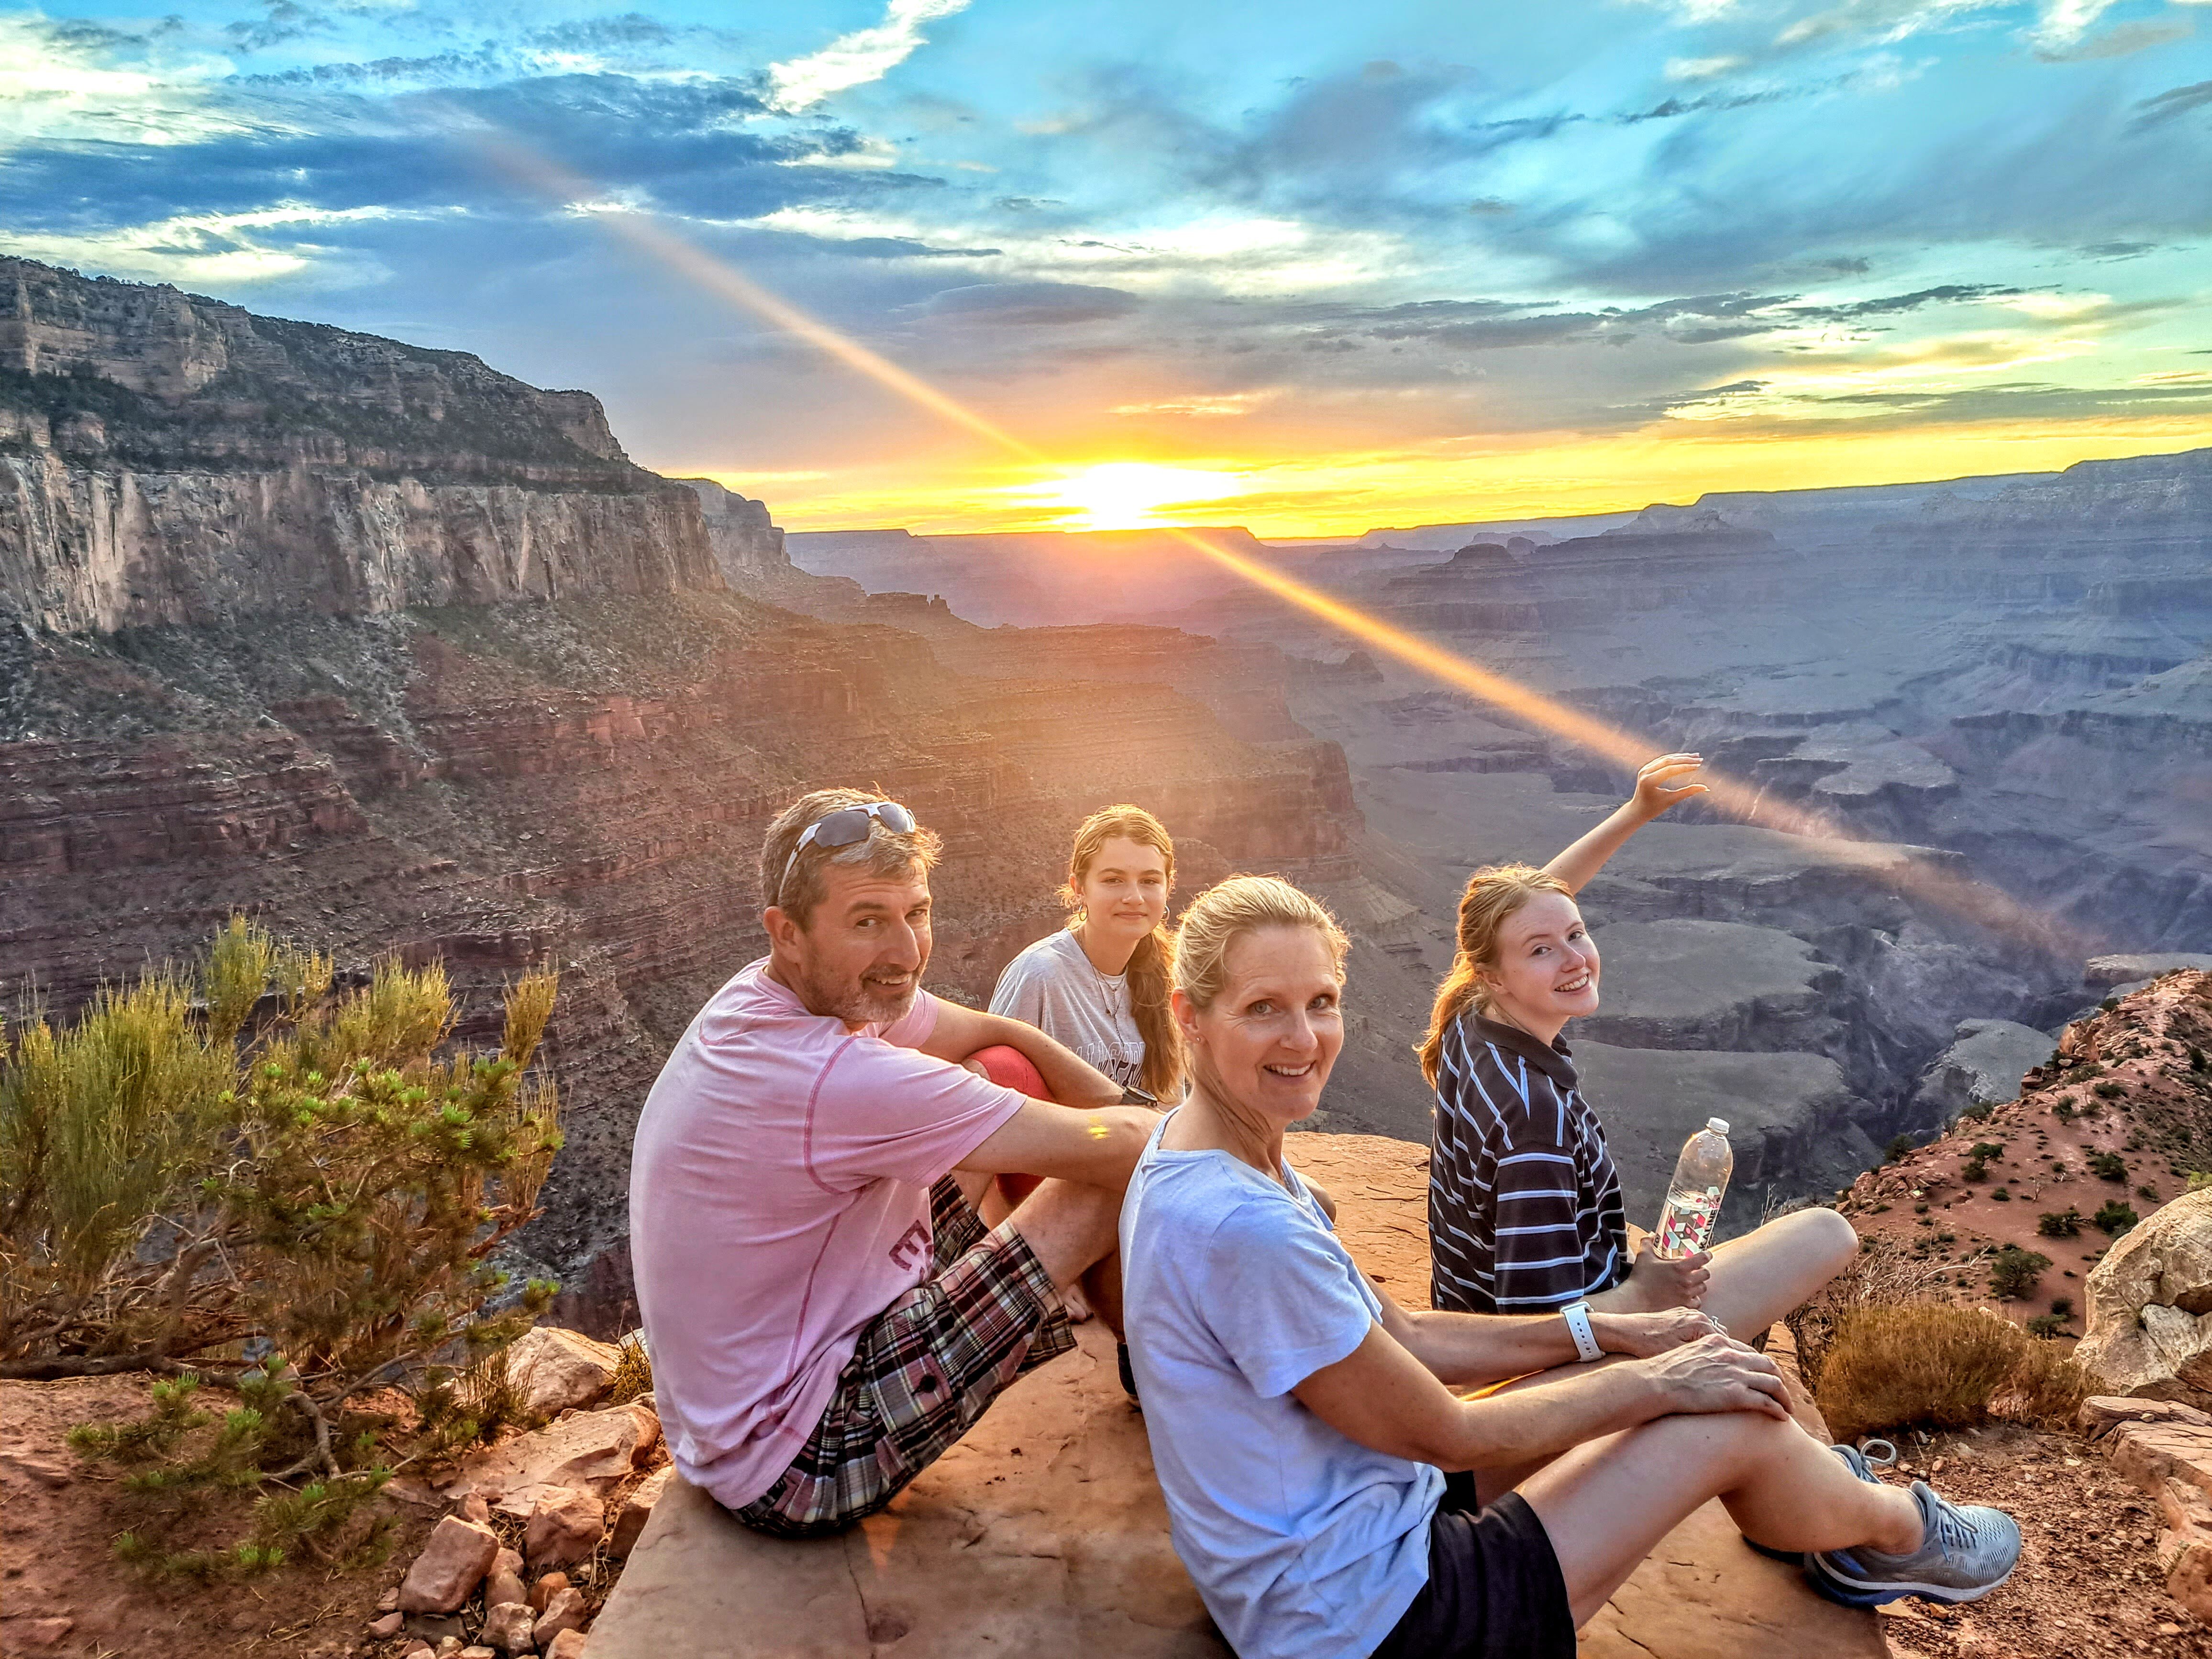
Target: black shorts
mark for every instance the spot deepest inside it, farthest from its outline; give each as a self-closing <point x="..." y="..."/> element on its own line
<point x="1494" y="1591"/>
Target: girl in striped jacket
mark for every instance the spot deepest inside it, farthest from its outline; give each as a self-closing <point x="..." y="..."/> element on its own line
<point x="1524" y="1204"/>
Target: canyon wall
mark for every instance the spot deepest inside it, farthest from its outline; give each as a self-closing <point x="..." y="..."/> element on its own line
<point x="170" y="459"/>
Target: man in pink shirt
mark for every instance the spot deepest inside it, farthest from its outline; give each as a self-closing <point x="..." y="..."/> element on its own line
<point x="826" y="1310"/>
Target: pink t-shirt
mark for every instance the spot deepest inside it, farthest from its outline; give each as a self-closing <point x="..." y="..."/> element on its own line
<point x="778" y="1200"/>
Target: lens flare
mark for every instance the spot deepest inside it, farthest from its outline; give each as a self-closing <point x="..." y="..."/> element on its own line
<point x="1975" y="901"/>
<point x="1128" y="495"/>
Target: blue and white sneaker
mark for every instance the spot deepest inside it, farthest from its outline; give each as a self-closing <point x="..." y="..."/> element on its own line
<point x="1965" y="1551"/>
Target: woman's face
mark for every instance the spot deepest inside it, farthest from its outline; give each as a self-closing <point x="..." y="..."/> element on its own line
<point x="1125" y="891"/>
<point x="1266" y="1041"/>
<point x="1546" y="969"/>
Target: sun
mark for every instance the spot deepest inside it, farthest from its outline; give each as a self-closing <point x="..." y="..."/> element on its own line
<point x="1126" y="494"/>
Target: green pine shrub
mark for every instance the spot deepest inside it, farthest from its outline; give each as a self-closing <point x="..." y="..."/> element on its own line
<point x="2013" y="1272"/>
<point x="2060" y="1224"/>
<point x="2115" y="1217"/>
<point x="235" y="1160"/>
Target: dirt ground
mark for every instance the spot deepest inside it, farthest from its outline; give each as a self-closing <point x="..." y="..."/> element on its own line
<point x="55" y="1562"/>
<point x="2087" y="1586"/>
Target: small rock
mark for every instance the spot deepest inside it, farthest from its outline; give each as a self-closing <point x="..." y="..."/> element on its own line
<point x="43" y="1471"/>
<point x="569" y="1644"/>
<point x="545" y="1589"/>
<point x="389" y="1600"/>
<point x="41" y="1632"/>
<point x="557" y="1370"/>
<point x="479" y="1653"/>
<point x="452" y="1563"/>
<point x="420" y="1651"/>
<point x="637" y="1509"/>
<point x="564" y="1611"/>
<point x="436" y="1627"/>
<point x="475" y="1507"/>
<point x="564" y="1527"/>
<point x="504" y="1586"/>
<point x="508" y="1560"/>
<point x="507" y="1627"/>
<point x="448" y="1646"/>
<point x="592" y="1451"/>
<point x="387" y="1626"/>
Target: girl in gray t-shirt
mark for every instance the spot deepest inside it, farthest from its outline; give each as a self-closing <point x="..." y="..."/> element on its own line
<point x="1100" y="985"/>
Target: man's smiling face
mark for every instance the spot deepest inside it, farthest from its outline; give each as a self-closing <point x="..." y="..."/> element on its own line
<point x="859" y="957"/>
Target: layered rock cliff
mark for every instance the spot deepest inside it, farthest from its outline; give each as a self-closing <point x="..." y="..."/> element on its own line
<point x="167" y="459"/>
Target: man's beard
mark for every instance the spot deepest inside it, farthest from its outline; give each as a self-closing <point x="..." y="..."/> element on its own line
<point x="866" y="1003"/>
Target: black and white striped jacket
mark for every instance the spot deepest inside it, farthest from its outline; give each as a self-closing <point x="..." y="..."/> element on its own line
<point x="1525" y="1205"/>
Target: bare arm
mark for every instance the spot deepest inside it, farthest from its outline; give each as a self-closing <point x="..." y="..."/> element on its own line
<point x="1098" y="1146"/>
<point x="1466" y="1350"/>
<point x="960" y="1031"/>
<point x="1382" y="1397"/>
<point x="1656" y="791"/>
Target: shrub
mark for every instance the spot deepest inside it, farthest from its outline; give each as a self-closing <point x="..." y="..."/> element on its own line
<point x="2199" y="1179"/>
<point x="632" y="1370"/>
<point x="1898" y="1147"/>
<point x="233" y="1153"/>
<point x="1935" y="1365"/>
<point x="2059" y="1224"/>
<point x="2108" y="1090"/>
<point x="2109" y="1004"/>
<point x="2108" y="1166"/>
<point x="2013" y="1272"/>
<point x="1977" y="1113"/>
<point x="2002" y="1196"/>
<point x="2047" y="1325"/>
<point x="2197" y="1061"/>
<point x="1884" y="1273"/>
<point x="2062" y="1108"/>
<point x="2062" y="1306"/>
<point x="2148" y="1193"/>
<point x="2115" y="1217"/>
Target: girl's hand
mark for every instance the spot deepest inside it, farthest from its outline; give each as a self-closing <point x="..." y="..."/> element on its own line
<point x="1658" y="785"/>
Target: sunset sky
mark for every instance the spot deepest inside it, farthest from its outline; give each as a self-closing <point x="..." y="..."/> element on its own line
<point x="1306" y="266"/>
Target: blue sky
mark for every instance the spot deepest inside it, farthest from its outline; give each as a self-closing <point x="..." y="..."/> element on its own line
<point x="1333" y="266"/>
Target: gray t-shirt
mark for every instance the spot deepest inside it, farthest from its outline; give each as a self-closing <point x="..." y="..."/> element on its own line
<point x="1053" y="986"/>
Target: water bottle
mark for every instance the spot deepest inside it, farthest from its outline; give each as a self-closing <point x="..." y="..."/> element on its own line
<point x="1693" y="1196"/>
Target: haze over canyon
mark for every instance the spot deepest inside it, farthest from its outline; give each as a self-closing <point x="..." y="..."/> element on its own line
<point x="401" y="655"/>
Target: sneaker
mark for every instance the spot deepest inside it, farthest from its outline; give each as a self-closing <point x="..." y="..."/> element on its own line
<point x="1965" y="1551"/>
<point x="1861" y="1460"/>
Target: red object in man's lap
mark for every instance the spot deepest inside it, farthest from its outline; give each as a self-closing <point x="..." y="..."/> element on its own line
<point x="1010" y="1068"/>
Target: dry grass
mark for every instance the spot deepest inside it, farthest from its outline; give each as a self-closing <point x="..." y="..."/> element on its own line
<point x="1885" y="1273"/>
<point x="633" y="1370"/>
<point x="1934" y="1364"/>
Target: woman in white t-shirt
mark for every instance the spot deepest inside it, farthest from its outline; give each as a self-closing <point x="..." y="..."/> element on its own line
<point x="1305" y="1430"/>
<point x="1100" y="985"/>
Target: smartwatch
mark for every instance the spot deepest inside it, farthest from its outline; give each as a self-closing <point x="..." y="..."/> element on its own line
<point x="1577" y="1315"/>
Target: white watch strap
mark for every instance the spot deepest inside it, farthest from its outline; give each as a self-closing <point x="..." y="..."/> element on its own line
<point x="1577" y="1315"/>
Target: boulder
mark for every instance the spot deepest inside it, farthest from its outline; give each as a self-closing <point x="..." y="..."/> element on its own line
<point x="1983" y="1067"/>
<point x="1043" y="1531"/>
<point x="2149" y="1331"/>
<point x="590" y="1451"/>
<point x="555" y="1370"/>
<point x="637" y="1509"/>
<point x="2110" y="974"/>
<point x="564" y="1527"/>
<point x="508" y="1627"/>
<point x="454" y="1559"/>
<point x="565" y="1611"/>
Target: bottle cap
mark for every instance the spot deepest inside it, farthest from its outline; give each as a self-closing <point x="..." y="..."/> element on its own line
<point x="1718" y="1125"/>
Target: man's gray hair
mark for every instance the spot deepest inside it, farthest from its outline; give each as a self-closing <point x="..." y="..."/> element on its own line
<point x="885" y="852"/>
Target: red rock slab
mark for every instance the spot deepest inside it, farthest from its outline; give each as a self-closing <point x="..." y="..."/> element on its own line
<point x="590" y="1451"/>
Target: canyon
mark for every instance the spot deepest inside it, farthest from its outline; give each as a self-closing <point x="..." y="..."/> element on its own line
<point x="400" y="654"/>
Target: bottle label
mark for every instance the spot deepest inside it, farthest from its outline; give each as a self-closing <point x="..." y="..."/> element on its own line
<point x="1689" y="1221"/>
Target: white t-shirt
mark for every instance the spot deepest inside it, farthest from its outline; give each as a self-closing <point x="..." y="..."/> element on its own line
<point x="1053" y="986"/>
<point x="779" y="1201"/>
<point x="1303" y="1544"/>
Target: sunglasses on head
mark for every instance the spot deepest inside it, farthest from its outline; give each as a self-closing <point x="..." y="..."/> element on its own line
<point x="845" y="827"/>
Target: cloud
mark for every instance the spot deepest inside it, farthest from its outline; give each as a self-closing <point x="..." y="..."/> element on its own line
<point x="1029" y="304"/>
<point x="855" y="59"/>
<point x="2169" y="105"/>
<point x="1701" y="68"/>
<point x="2123" y="41"/>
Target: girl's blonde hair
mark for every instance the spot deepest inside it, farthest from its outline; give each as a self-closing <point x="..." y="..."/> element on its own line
<point x="1494" y="893"/>
<point x="1228" y="910"/>
<point x="1152" y="962"/>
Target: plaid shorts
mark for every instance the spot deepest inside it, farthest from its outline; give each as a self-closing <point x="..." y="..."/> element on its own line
<point x="925" y="1370"/>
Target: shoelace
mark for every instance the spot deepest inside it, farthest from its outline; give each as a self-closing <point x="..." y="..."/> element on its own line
<point x="1885" y="1458"/>
<point x="1953" y="1531"/>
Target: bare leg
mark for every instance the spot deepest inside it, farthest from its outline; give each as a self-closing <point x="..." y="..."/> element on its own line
<point x="1607" y="1503"/>
<point x="1758" y="1278"/>
<point x="1073" y="1228"/>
